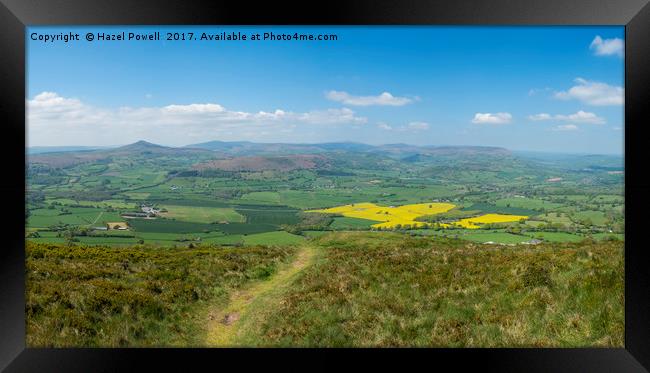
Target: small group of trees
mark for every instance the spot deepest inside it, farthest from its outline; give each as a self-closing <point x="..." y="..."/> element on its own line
<point x="65" y="211"/>
<point x="73" y="232"/>
<point x="69" y="236"/>
<point x="405" y="227"/>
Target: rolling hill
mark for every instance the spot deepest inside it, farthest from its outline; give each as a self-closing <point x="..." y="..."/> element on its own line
<point x="140" y="148"/>
<point x="258" y="163"/>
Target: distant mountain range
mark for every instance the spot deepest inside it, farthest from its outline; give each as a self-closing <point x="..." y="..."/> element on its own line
<point x="240" y="155"/>
<point x="245" y="148"/>
<point x="70" y="158"/>
<point x="251" y="148"/>
<point x="59" y="149"/>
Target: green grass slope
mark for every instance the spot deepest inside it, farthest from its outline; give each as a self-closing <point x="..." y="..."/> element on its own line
<point x="384" y="289"/>
<point x="136" y="296"/>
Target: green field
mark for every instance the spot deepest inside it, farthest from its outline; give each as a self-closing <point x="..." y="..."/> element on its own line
<point x="115" y="203"/>
<point x="276" y="215"/>
<point x="265" y="197"/>
<point x="527" y="203"/>
<point x="487" y="208"/>
<point x="319" y="199"/>
<point x="596" y="217"/>
<point x="556" y="217"/>
<point x="246" y="228"/>
<point x="202" y="214"/>
<point x="137" y="195"/>
<point x="170" y="226"/>
<point x="82" y="216"/>
<point x="557" y="236"/>
<point x="272" y="238"/>
<point x="184" y="202"/>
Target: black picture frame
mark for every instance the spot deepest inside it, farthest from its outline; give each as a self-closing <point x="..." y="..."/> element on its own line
<point x="15" y="15"/>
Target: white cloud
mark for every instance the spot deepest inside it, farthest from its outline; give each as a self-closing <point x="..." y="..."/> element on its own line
<point x="489" y="118"/>
<point x="418" y="126"/>
<point x="329" y="116"/>
<point x="581" y="117"/>
<point x="541" y="116"/>
<point x="593" y="93"/>
<point x="607" y="47"/>
<point x="193" y="109"/>
<point x="148" y="95"/>
<point x="53" y="102"/>
<point x="384" y="99"/>
<point x="566" y="127"/>
<point x="53" y="118"/>
<point x="410" y="127"/>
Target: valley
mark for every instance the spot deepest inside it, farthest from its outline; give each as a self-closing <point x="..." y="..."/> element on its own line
<point x="238" y="193"/>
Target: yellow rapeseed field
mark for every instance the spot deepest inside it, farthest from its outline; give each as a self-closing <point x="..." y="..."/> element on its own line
<point x="391" y="216"/>
<point x="473" y="223"/>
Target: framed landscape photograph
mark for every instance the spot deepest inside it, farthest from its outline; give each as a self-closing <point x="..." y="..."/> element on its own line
<point x="209" y="181"/>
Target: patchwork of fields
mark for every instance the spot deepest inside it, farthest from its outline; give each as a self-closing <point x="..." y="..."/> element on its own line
<point x="194" y="220"/>
<point x="70" y="201"/>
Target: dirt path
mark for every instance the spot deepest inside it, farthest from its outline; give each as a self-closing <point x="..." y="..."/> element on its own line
<point x="223" y="324"/>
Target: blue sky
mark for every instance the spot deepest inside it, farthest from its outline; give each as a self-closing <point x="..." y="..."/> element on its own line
<point x="553" y="89"/>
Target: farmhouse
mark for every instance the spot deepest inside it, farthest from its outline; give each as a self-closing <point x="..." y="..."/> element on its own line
<point x="149" y="210"/>
<point x="121" y="226"/>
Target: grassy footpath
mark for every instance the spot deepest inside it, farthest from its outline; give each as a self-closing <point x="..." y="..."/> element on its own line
<point x="386" y="289"/>
<point x="137" y="296"/>
<point x="245" y="309"/>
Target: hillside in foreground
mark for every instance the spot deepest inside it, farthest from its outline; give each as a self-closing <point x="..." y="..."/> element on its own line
<point x="386" y="290"/>
<point x="353" y="289"/>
